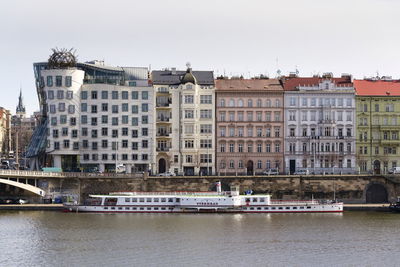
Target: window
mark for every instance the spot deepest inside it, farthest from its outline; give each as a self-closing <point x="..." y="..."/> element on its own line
<point x="189" y="143"/>
<point x="94" y="94"/>
<point x="292" y="101"/>
<point x="114" y="120"/>
<point x="84" y="95"/>
<point x="114" y="108"/>
<point x="93" y="108"/>
<point x="104" y="119"/>
<point x="277" y="147"/>
<point x="135" y="95"/>
<point x="145" y="95"/>
<point x="135" y="109"/>
<point x="135" y="133"/>
<point x="60" y="94"/>
<point x="70" y="94"/>
<point x="231" y="164"/>
<point x="222" y="148"/>
<point x="189" y="128"/>
<point x="114" y="94"/>
<point x="145" y="107"/>
<point x="83" y="107"/>
<point x="124" y="119"/>
<point x="222" y="103"/>
<point x="189" y="158"/>
<point x="292" y="115"/>
<point x="250" y="103"/>
<point x="189" y="114"/>
<point x="104" y="94"/>
<point x="145" y="119"/>
<point x="94" y="121"/>
<point x="240" y="147"/>
<point x="125" y="107"/>
<point x="205" y="143"/>
<point x="132" y="84"/>
<point x="124" y="94"/>
<point x="71" y="109"/>
<point x="49" y="81"/>
<point x="205" y="158"/>
<point x="205" y="128"/>
<point x="58" y="81"/>
<point x="145" y="132"/>
<point x="189" y="99"/>
<point x="206" y="113"/>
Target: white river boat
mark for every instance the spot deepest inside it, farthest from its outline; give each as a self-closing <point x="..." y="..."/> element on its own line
<point x="197" y="202"/>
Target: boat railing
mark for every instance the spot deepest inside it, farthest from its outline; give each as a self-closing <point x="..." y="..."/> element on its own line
<point x="294" y="202"/>
<point x="178" y="193"/>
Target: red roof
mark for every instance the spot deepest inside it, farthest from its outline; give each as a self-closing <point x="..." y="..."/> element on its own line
<point x="292" y="84"/>
<point x="377" y="88"/>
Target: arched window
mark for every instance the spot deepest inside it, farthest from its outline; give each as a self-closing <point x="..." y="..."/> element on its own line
<point x="259" y="103"/>
<point x="231" y="102"/>
<point x="277" y="103"/>
<point x="250" y="103"/>
<point x="222" y="103"/>
<point x="268" y="103"/>
<point x="240" y="103"/>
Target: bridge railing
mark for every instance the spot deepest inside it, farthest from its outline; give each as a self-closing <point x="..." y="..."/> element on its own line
<point x="34" y="174"/>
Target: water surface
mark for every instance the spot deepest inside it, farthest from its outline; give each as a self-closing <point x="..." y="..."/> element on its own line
<point x="31" y="238"/>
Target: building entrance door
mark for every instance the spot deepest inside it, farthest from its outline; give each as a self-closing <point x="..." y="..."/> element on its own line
<point x="250" y="167"/>
<point x="292" y="166"/>
<point x="377" y="167"/>
<point x="162" y="166"/>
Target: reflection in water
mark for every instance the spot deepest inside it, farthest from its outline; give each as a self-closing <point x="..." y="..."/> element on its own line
<point x="66" y="239"/>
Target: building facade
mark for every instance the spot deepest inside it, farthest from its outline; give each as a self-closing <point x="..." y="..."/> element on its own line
<point x="320" y="124"/>
<point x="185" y="121"/>
<point x="378" y="124"/>
<point x="5" y="132"/>
<point x="249" y="127"/>
<point x="98" y="117"/>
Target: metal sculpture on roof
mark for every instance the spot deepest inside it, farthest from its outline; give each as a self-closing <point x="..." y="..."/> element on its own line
<point x="62" y="58"/>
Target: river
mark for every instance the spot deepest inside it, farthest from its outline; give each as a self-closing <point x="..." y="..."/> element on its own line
<point x="32" y="238"/>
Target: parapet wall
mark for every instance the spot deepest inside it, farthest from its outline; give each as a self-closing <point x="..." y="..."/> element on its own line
<point x="350" y="189"/>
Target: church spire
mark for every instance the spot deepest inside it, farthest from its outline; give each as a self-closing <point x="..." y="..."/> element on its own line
<point x="20" y="107"/>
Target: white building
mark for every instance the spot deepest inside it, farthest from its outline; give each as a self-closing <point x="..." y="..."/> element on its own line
<point x="320" y="124"/>
<point x="98" y="116"/>
<point x="185" y="108"/>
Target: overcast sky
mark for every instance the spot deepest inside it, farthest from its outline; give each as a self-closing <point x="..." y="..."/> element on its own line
<point x="234" y="37"/>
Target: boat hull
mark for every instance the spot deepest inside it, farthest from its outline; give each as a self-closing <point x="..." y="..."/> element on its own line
<point x="323" y="208"/>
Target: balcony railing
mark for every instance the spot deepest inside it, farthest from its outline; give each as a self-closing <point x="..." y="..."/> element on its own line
<point x="161" y="119"/>
<point x="162" y="134"/>
<point x="162" y="149"/>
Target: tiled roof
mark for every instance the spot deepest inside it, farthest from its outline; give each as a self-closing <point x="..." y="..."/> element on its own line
<point x="377" y="88"/>
<point x="248" y="84"/>
<point x="291" y="84"/>
<point x="168" y="77"/>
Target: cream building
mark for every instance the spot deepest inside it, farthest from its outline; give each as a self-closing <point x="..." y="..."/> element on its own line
<point x="185" y="121"/>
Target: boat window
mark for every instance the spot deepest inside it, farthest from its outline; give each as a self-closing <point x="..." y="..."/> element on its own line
<point x="148" y="208"/>
<point x="162" y="208"/>
<point x="247" y="199"/>
<point x="295" y="208"/>
<point x="170" y="200"/>
<point x="155" y="208"/>
<point x="254" y="199"/>
<point x="259" y="208"/>
<point x="308" y="207"/>
<point x="141" y="199"/>
<point x="141" y="208"/>
<point x="106" y="208"/>
<point x="120" y="208"/>
<point x="127" y="208"/>
<point x="148" y="199"/>
<point x="127" y="199"/>
<point x="280" y="208"/>
<point x="178" y="200"/>
<point x="302" y="208"/>
<point x="262" y="199"/>
<point x="134" y="208"/>
<point x="110" y="201"/>
<point x="171" y="208"/>
<point x="273" y="208"/>
<point x="266" y="208"/>
<point x="113" y="208"/>
<point x="163" y="200"/>
<point x="288" y="208"/>
<point x="93" y="202"/>
<point x="252" y="208"/>
<point x="134" y="199"/>
<point x="156" y="200"/>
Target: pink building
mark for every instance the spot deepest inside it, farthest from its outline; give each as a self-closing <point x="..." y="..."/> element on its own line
<point x="249" y="129"/>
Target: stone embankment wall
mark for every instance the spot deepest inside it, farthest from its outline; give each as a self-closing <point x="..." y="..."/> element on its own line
<point x="350" y="189"/>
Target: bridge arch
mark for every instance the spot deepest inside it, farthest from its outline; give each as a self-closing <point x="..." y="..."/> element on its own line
<point x="36" y="190"/>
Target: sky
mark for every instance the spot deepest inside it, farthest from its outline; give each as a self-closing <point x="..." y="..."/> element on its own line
<point x="232" y="37"/>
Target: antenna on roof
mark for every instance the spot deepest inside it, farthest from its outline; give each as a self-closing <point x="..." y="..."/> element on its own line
<point x="297" y="70"/>
<point x="188" y="65"/>
<point x="278" y="71"/>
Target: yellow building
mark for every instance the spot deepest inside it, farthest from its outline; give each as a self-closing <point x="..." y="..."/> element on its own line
<point x="378" y="125"/>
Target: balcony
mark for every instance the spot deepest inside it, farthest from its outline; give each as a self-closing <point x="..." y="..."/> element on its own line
<point x="163" y="119"/>
<point x="164" y="134"/>
<point x="326" y="121"/>
<point x="162" y="149"/>
<point x="163" y="104"/>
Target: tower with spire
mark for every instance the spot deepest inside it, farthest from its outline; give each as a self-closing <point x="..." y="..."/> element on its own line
<point x="20" y="107"/>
